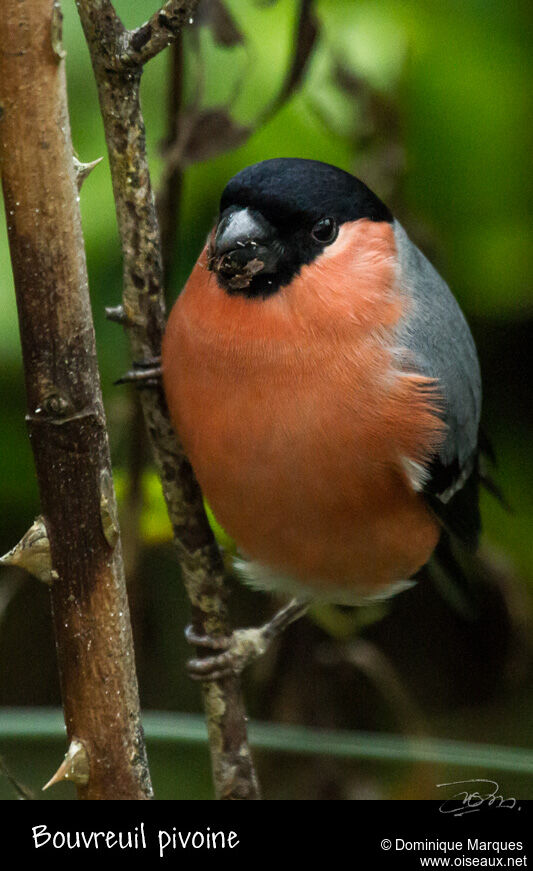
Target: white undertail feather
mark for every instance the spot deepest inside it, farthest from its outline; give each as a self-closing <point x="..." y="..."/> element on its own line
<point x="261" y="577"/>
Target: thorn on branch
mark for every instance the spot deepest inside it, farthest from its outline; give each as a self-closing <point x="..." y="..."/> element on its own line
<point x="117" y="315"/>
<point x="75" y="766"/>
<point x="145" y="373"/>
<point x="82" y="170"/>
<point x="32" y="553"/>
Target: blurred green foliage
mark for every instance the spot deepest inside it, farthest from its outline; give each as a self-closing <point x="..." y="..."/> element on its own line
<point x="428" y="103"/>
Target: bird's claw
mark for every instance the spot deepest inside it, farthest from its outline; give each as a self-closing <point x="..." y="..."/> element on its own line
<point x="233" y="652"/>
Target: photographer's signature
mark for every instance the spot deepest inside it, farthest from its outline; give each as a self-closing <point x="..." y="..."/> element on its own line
<point x="485" y="794"/>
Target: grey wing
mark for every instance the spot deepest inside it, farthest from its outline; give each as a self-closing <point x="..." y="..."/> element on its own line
<point x="438" y="344"/>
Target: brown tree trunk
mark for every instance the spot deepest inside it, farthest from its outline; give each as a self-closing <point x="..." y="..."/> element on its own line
<point x="65" y="412"/>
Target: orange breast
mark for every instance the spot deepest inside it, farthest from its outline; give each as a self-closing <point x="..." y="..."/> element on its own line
<point x="296" y="421"/>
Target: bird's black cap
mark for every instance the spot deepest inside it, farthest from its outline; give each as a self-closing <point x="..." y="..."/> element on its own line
<point x="289" y="189"/>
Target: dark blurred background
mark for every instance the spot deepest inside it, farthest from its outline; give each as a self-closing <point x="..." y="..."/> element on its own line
<point x="429" y="104"/>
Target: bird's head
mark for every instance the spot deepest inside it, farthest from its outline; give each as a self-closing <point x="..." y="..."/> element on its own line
<point x="279" y="215"/>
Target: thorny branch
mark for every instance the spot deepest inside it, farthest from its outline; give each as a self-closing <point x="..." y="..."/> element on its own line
<point x="117" y="57"/>
<point x="75" y="546"/>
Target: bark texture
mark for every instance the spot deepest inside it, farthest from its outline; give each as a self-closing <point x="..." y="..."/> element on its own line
<point x="66" y="418"/>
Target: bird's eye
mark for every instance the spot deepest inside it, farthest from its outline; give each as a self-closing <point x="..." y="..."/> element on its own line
<point x="325" y="231"/>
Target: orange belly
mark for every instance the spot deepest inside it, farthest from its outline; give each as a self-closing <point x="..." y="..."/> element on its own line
<point x="295" y="423"/>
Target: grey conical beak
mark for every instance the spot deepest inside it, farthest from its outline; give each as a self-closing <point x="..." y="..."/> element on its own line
<point x="243" y="246"/>
<point x="242" y="228"/>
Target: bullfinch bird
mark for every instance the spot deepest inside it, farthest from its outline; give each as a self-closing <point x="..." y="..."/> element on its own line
<point x="326" y="388"/>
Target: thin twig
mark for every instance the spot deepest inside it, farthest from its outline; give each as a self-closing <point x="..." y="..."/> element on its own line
<point x="143" y="303"/>
<point x="142" y="44"/>
<point x="207" y="132"/>
<point x="169" y="195"/>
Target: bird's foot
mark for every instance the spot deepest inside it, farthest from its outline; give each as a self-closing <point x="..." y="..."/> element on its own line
<point x="145" y="373"/>
<point x="231" y="654"/>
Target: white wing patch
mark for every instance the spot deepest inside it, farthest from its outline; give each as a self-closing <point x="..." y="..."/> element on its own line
<point x="417" y="475"/>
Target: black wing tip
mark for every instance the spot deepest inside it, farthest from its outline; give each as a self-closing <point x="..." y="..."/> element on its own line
<point x="459" y="515"/>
